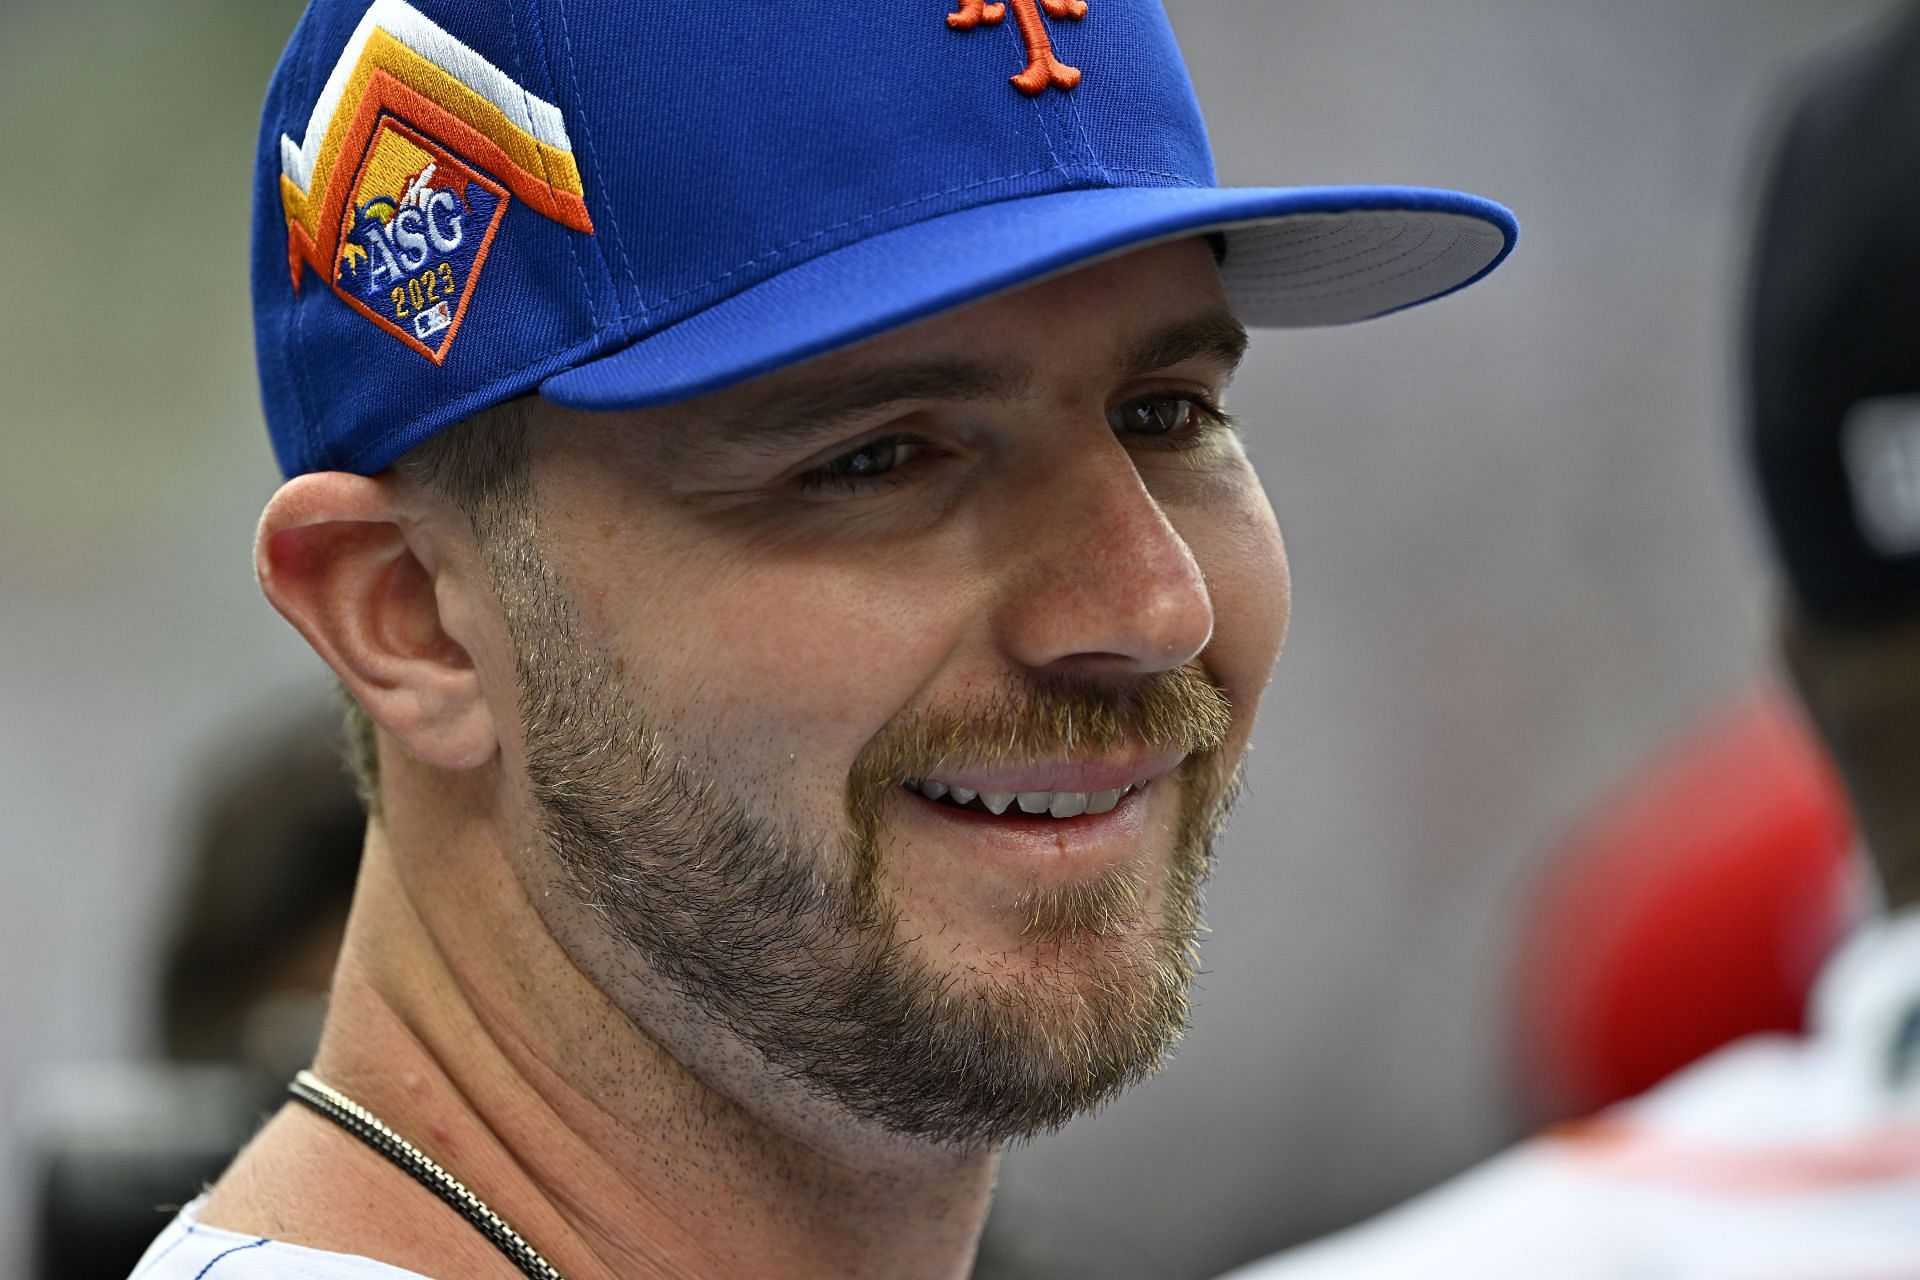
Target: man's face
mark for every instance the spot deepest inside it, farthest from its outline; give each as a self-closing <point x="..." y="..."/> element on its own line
<point x="765" y="640"/>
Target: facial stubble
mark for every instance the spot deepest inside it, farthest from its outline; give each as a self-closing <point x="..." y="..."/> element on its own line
<point x="792" y="941"/>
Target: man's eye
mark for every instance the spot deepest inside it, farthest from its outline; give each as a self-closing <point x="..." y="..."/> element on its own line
<point x="857" y="468"/>
<point x="1165" y="415"/>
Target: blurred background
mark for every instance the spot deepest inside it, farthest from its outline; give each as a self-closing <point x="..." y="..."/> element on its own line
<point x="1521" y="549"/>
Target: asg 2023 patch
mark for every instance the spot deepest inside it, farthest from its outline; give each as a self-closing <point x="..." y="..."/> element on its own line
<point x="415" y="237"/>
<point x="414" y="149"/>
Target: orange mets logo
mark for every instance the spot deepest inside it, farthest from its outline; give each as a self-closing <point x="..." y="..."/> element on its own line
<point x="1043" y="68"/>
<point x="412" y="154"/>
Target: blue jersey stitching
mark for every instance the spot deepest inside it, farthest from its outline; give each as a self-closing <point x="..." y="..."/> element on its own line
<point x="182" y="1239"/>
<point x="217" y="1258"/>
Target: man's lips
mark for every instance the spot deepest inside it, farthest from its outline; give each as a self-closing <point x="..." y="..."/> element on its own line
<point x="1060" y="791"/>
<point x="1109" y="773"/>
<point x="1043" y="818"/>
<point x="1035" y="809"/>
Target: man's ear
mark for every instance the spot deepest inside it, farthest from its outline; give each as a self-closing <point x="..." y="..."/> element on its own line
<point x="337" y="555"/>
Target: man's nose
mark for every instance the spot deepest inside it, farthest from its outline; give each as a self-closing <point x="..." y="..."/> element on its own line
<point x="1106" y="585"/>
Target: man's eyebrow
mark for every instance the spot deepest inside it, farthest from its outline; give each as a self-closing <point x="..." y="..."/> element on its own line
<point x="813" y="409"/>
<point x="1216" y="335"/>
<point x="802" y="413"/>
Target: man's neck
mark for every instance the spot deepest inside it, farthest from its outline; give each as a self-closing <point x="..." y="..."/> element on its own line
<point x="487" y="1048"/>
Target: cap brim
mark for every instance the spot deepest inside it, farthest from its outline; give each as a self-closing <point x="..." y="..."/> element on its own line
<point x="1295" y="257"/>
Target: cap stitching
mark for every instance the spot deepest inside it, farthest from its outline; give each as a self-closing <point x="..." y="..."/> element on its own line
<point x="1086" y="139"/>
<point x="1046" y="134"/>
<point x="1339" y="228"/>
<point x="1322" y="233"/>
<point x="1375" y="282"/>
<point x="302" y="390"/>
<point x="1181" y="179"/>
<point x="606" y="268"/>
<point x="593" y="161"/>
<point x="1053" y="117"/>
<point x="1080" y="125"/>
<point x="573" y="249"/>
<point x="295" y="329"/>
<point x="1351" y="257"/>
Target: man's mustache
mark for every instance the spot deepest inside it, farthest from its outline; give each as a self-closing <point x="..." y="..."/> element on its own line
<point x="1059" y="719"/>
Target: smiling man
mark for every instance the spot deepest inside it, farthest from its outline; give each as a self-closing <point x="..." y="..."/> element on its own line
<point x="760" y="477"/>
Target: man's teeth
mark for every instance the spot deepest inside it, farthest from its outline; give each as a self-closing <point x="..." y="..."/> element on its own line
<point x="1070" y="805"/>
<point x="1058" y="804"/>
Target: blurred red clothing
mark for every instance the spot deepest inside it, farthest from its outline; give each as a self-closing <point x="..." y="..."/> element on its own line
<point x="1694" y="906"/>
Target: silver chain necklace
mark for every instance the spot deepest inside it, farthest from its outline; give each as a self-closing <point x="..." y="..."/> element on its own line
<point x="364" y="1125"/>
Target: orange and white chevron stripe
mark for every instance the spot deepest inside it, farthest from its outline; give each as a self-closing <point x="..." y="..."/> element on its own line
<point x="400" y="63"/>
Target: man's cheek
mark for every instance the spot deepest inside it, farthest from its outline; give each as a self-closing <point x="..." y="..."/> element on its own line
<point x="1245" y="564"/>
<point x="1256" y="560"/>
<point x="828" y="665"/>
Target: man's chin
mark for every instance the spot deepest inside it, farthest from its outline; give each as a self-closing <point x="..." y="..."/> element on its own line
<point x="1058" y="1049"/>
<point x="1069" y="938"/>
<point x="1038" y="992"/>
<point x="1036" y="1032"/>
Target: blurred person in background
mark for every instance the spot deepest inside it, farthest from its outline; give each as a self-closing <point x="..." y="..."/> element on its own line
<point x="1775" y="1158"/>
<point x="271" y="854"/>
<point x="255" y="937"/>
<point x="1694" y="904"/>
<point x="795" y="735"/>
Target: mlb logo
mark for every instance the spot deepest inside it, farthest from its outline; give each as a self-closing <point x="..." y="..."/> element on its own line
<point x="432" y="321"/>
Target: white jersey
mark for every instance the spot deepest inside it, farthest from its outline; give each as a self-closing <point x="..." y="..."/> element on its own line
<point x="1773" y="1159"/>
<point x="186" y="1250"/>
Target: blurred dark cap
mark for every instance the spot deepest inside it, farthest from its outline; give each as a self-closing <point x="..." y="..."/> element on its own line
<point x="1833" y="344"/>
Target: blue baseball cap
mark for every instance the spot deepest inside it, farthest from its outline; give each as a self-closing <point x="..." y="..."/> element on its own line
<point x="617" y="205"/>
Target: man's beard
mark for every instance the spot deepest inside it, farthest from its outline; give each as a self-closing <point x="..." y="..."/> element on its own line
<point x="791" y="941"/>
